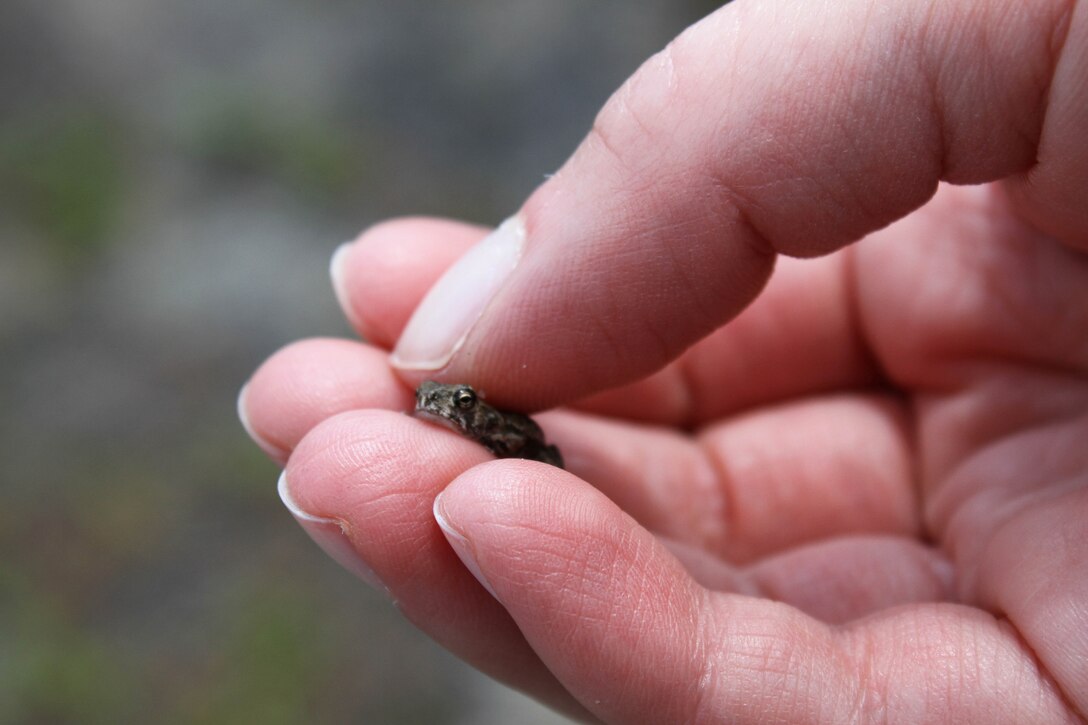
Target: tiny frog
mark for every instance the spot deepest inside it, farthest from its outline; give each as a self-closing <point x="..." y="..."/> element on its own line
<point x="507" y="435"/>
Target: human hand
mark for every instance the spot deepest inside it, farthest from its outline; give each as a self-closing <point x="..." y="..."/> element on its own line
<point x="864" y="499"/>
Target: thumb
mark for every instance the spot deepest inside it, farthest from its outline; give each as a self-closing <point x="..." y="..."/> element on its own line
<point x="766" y="128"/>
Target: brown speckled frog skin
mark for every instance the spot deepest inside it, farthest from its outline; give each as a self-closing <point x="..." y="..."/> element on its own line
<point x="506" y="434"/>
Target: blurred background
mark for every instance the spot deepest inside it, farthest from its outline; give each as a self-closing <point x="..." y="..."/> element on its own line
<point x="173" y="179"/>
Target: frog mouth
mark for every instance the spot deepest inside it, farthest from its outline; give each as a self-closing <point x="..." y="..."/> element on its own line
<point x="439" y="419"/>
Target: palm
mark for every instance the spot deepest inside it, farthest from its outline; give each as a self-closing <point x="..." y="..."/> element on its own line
<point x="919" y="396"/>
<point x="981" y="320"/>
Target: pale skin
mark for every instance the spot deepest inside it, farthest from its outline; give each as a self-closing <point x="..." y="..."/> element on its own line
<point x="865" y="499"/>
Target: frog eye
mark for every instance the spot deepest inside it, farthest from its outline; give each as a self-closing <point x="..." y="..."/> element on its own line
<point x="465" y="398"/>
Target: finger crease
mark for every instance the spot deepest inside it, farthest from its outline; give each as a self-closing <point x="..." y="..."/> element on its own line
<point x="721" y="515"/>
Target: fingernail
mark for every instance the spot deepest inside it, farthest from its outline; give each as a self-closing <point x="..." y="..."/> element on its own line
<point x="329" y="535"/>
<point x="336" y="274"/>
<point x="460" y="545"/>
<point x="454" y="304"/>
<point x="272" y="450"/>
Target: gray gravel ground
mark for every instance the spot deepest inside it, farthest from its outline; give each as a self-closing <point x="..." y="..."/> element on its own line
<point x="173" y="179"/>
